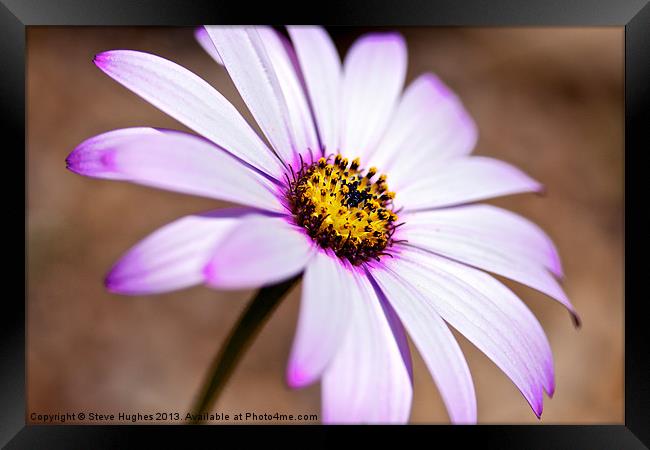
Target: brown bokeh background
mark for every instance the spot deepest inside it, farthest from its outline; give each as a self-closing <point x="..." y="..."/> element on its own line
<point x="549" y="100"/>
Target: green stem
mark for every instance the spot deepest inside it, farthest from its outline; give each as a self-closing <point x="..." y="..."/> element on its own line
<point x="241" y="336"/>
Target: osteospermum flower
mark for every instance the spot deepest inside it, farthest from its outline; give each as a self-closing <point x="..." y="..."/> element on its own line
<point x="365" y="188"/>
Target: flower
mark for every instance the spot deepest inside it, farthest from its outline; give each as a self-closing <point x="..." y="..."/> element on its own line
<point x="367" y="189"/>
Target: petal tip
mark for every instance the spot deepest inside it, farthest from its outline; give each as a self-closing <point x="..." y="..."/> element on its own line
<point x="73" y="162"/>
<point x="105" y="59"/>
<point x="297" y="378"/>
<point x="394" y="35"/>
<point x="550" y="390"/>
<point x="200" y="31"/>
<point x="110" y="282"/>
<point x="90" y="160"/>
<point x="391" y="37"/>
<point x="101" y="58"/>
<point x="70" y="163"/>
<point x="577" y="321"/>
<point x="114" y="285"/>
<point x="116" y="280"/>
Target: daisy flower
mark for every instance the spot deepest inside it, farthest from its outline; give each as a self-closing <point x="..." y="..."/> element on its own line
<point x="365" y="187"/>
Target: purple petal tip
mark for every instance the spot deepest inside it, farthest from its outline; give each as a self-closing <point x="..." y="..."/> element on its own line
<point x="296" y="378"/>
<point x="71" y="162"/>
<point x="388" y="36"/>
<point x="112" y="282"/>
<point x="100" y="59"/>
<point x="577" y="322"/>
<point x="109" y="283"/>
<point x="551" y="378"/>
<point x="119" y="282"/>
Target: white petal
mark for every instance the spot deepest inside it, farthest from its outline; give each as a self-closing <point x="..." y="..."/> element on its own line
<point x="260" y="251"/>
<point x="321" y="68"/>
<point x="173" y="257"/>
<point x="430" y="124"/>
<point x="462" y="180"/>
<point x="252" y="72"/>
<point x="190" y="100"/>
<point x="367" y="381"/>
<point x="488" y="314"/>
<point x="436" y="343"/>
<point x="483" y="235"/>
<point x="324" y="311"/>
<point x="491" y="239"/>
<point x="374" y="71"/>
<point x="282" y="57"/>
<point x="176" y="161"/>
<point x="203" y="38"/>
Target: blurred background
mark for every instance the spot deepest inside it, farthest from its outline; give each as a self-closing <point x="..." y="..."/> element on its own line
<point x="549" y="100"/>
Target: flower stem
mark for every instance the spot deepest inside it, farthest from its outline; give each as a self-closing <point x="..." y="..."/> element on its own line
<point x="249" y="324"/>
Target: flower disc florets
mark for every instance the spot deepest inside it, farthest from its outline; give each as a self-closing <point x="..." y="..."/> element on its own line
<point x="342" y="209"/>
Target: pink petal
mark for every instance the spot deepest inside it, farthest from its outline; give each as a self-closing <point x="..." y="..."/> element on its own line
<point x="176" y="161"/>
<point x="374" y="71"/>
<point x="190" y="100"/>
<point x="86" y="159"/>
<point x="203" y="38"/>
<point x="491" y="239"/>
<point x="437" y="345"/>
<point x="258" y="252"/>
<point x="430" y="124"/>
<point x="463" y="180"/>
<point x="252" y="71"/>
<point x="480" y="234"/>
<point x="367" y="381"/>
<point x="488" y="314"/>
<point x="321" y="68"/>
<point x="173" y="257"/>
<point x="282" y="57"/>
<point x="324" y="310"/>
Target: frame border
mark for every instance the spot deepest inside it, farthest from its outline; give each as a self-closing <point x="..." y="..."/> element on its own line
<point x="634" y="15"/>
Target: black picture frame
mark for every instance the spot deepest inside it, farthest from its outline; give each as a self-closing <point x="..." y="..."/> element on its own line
<point x="634" y="15"/>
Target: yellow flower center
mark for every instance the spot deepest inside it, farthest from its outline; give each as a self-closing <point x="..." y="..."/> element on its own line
<point x="343" y="209"/>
